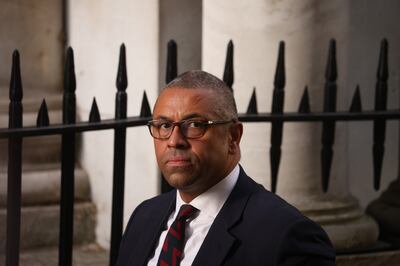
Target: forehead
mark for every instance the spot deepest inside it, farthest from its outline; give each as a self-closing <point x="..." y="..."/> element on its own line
<point x="181" y="103"/>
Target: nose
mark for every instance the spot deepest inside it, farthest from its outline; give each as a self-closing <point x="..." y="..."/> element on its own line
<point x="177" y="140"/>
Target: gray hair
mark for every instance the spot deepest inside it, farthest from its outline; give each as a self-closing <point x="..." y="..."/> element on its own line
<point x="225" y="104"/>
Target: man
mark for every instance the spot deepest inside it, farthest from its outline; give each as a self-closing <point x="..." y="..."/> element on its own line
<point x="217" y="215"/>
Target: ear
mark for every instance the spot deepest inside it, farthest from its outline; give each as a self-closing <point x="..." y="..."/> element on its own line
<point x="236" y="131"/>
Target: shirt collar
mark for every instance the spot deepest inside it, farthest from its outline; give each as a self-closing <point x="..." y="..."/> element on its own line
<point x="211" y="201"/>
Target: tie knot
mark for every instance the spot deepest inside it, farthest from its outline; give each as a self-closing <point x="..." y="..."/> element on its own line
<point x="186" y="211"/>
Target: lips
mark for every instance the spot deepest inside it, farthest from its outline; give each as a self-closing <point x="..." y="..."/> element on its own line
<point x="178" y="161"/>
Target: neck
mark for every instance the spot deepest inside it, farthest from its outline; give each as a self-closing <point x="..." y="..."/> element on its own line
<point x="187" y="197"/>
<point x="189" y="194"/>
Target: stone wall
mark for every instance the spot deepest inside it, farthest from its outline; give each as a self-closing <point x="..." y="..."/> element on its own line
<point x="96" y="30"/>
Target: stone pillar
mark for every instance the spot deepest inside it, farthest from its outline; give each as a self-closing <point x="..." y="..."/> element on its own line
<point x="96" y="34"/>
<point x="35" y="28"/>
<point x="180" y="20"/>
<point x="307" y="26"/>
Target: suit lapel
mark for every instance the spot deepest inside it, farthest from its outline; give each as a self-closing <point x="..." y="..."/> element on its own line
<point x="216" y="245"/>
<point x="219" y="240"/>
<point x="154" y="224"/>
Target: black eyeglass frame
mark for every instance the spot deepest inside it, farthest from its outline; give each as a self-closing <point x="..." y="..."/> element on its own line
<point x="205" y="124"/>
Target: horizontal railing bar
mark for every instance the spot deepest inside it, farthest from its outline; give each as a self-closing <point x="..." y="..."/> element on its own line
<point x="320" y="116"/>
<point x="77" y="127"/>
<point x="141" y="121"/>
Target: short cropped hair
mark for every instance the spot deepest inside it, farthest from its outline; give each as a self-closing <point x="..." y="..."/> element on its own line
<point x="225" y="105"/>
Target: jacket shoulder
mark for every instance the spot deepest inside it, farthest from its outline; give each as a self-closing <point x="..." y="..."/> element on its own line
<point x="289" y="231"/>
<point x="153" y="205"/>
<point x="264" y="203"/>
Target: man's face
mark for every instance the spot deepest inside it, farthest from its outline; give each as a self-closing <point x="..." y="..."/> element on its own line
<point x="193" y="165"/>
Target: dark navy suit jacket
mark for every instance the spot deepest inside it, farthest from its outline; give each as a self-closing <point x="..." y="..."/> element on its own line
<point x="254" y="227"/>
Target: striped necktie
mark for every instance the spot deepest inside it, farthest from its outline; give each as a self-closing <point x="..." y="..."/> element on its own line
<point x="172" y="250"/>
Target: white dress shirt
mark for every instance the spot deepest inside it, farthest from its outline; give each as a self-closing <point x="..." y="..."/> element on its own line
<point x="209" y="204"/>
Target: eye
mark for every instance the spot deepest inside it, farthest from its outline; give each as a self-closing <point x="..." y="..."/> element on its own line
<point x="162" y="124"/>
<point x="195" y="124"/>
<point x="165" y="125"/>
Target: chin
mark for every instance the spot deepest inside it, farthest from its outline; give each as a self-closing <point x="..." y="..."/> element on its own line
<point x="180" y="181"/>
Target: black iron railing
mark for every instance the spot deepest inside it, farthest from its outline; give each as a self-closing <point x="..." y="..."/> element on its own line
<point x="15" y="134"/>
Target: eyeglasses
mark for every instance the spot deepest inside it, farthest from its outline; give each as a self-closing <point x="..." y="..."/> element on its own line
<point x="190" y="128"/>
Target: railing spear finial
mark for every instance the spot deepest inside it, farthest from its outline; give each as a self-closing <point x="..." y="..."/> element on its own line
<point x="122" y="78"/>
<point x="304" y="106"/>
<point x="69" y="101"/>
<point x="15" y="82"/>
<point x="331" y="67"/>
<point x="43" y="115"/>
<point x="94" y="115"/>
<point x="252" y="107"/>
<point x="383" y="69"/>
<point x="69" y="72"/>
<point x="122" y="84"/>
<point x="356" y="105"/>
<point x="280" y="77"/>
<point x="145" y="110"/>
<point x="228" y="70"/>
<point x="172" y="65"/>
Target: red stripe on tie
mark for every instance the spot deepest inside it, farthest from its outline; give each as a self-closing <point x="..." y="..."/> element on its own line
<point x="176" y="234"/>
<point x="165" y="246"/>
<point x="176" y="256"/>
<point x="163" y="263"/>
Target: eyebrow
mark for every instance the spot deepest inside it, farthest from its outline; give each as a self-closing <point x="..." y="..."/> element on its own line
<point x="186" y="117"/>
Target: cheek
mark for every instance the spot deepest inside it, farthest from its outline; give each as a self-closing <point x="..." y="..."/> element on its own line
<point x="211" y="152"/>
<point x="158" y="148"/>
